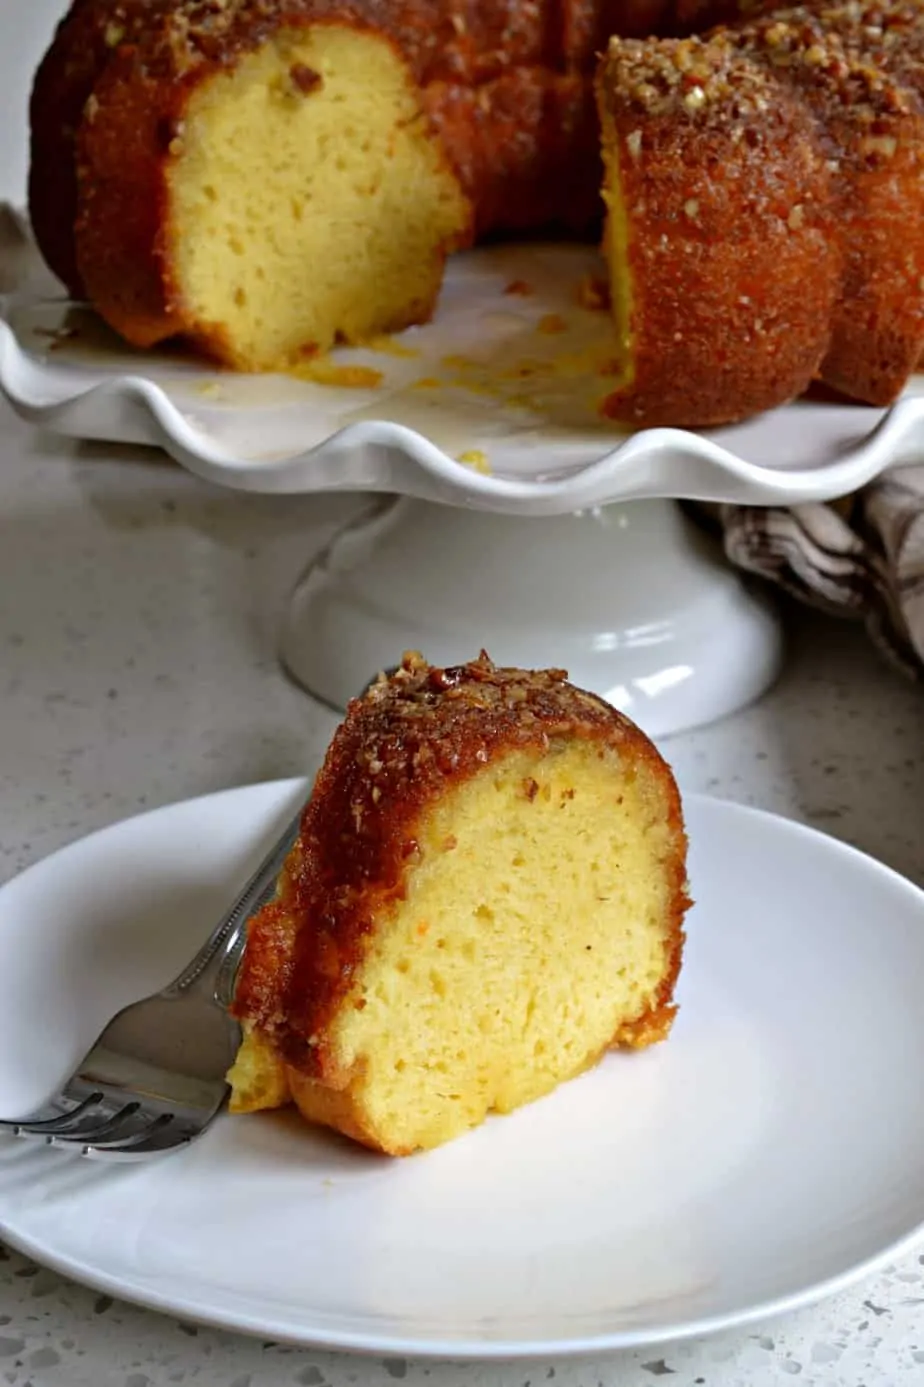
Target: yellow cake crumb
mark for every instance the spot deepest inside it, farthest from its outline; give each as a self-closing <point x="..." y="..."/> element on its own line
<point x="389" y="347"/>
<point x="58" y="337"/>
<point x="593" y="292"/>
<point x="329" y="373"/>
<point x="476" y="460"/>
<point x="210" y="389"/>
<point x="522" y="370"/>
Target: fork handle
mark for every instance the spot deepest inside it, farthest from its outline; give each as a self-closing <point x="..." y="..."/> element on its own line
<point x="213" y="969"/>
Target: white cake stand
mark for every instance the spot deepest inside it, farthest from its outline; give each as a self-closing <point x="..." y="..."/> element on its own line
<point x="554" y="541"/>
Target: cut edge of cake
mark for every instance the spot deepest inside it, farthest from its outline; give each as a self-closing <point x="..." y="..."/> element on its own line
<point x="488" y="893"/>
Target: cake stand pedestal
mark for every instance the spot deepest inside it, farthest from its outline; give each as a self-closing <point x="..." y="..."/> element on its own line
<point x="632" y="599"/>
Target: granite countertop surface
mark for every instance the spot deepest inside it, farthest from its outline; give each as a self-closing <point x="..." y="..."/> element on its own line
<point x="138" y="618"/>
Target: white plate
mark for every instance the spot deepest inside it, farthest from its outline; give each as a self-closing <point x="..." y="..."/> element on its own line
<point x="552" y="456"/>
<point x="771" y="1152"/>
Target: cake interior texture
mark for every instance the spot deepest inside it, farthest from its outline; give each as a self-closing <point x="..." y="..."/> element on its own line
<point x="538" y="928"/>
<point x="290" y="216"/>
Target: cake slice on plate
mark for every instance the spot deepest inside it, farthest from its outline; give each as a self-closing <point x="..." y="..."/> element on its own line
<point x="487" y="893"/>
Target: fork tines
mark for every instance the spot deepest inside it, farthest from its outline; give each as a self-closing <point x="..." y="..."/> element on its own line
<point x="110" y="1125"/>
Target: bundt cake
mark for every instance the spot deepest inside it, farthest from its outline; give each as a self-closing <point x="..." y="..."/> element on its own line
<point x="267" y="177"/>
<point x="487" y="893"/>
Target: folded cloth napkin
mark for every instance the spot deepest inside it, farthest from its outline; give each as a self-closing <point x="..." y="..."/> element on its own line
<point x="862" y="557"/>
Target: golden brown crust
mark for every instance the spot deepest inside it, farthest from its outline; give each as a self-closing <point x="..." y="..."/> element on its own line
<point x="891" y="38"/>
<point x="83" y="43"/>
<point x="871" y="119"/>
<point x="400" y="747"/>
<point x="122" y="232"/>
<point x="726" y="199"/>
<point x="341" y="1109"/>
<point x="655" y="1023"/>
<point x="767" y="174"/>
<point x="492" y="134"/>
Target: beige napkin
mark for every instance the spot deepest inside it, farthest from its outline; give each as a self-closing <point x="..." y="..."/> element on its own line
<point x="862" y="557"/>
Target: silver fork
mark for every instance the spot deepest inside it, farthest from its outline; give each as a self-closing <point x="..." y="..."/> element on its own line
<point x="155" y="1079"/>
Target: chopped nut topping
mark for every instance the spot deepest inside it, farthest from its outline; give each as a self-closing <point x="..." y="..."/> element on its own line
<point x="476" y="460"/>
<point x="883" y="145"/>
<point x="305" y="79"/>
<point x="594" y="293"/>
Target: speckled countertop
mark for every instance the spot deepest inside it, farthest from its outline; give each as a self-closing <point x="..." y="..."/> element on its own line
<point x="138" y="613"/>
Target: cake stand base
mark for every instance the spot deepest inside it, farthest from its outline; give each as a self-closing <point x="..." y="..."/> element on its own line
<point x="632" y="599"/>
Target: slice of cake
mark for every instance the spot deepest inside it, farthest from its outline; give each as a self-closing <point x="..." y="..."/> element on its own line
<point x="262" y="188"/>
<point x="487" y="893"/>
